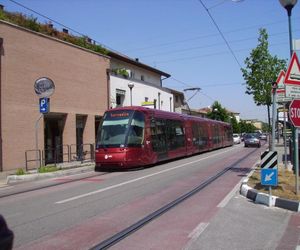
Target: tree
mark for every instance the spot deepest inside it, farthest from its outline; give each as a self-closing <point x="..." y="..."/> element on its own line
<point x="235" y="125"/>
<point x="247" y="127"/>
<point x="261" y="70"/>
<point x="266" y="127"/>
<point x="218" y="112"/>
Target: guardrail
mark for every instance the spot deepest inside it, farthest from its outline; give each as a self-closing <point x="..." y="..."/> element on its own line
<point x="28" y="158"/>
<point x="61" y="154"/>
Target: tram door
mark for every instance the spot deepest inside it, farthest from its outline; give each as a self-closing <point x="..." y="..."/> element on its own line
<point x="158" y="137"/>
<point x="53" y="131"/>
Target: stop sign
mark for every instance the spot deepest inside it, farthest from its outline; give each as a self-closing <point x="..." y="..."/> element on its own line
<point x="294" y="112"/>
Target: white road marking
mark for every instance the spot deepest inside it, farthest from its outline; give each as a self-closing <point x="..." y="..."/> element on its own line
<point x="194" y="235"/>
<point x="198" y="230"/>
<point x="137" y="179"/>
<point x="224" y="202"/>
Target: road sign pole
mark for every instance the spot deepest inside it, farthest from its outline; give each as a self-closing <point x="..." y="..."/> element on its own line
<point x="284" y="140"/>
<point x="274" y="86"/>
<point x="270" y="196"/>
<point x="296" y="160"/>
<point x="38" y="160"/>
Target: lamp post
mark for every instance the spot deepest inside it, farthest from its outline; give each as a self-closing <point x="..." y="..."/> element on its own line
<point x="130" y="86"/>
<point x="289" y="5"/>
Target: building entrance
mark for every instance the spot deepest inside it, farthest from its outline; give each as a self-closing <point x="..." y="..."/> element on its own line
<point x="80" y="125"/>
<point x="53" y="131"/>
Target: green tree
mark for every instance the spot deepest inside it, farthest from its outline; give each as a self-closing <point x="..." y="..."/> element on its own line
<point x="218" y="112"/>
<point x="261" y="71"/>
<point x="265" y="127"/>
<point x="247" y="127"/>
<point x="235" y="125"/>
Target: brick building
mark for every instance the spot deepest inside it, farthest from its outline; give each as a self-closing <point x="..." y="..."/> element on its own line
<point x="79" y="100"/>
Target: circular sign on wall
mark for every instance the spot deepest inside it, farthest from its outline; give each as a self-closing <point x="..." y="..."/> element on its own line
<point x="44" y="87"/>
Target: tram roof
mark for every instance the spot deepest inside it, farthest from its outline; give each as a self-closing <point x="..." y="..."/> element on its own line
<point x="167" y="114"/>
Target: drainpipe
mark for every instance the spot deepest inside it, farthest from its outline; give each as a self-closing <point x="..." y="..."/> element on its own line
<point x="1" y="53"/>
<point x="159" y="100"/>
<point x="108" y="88"/>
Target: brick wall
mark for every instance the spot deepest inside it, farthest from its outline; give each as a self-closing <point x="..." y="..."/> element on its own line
<point x="80" y="88"/>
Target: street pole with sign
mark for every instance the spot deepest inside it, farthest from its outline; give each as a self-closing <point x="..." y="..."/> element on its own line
<point x="292" y="87"/>
<point x="274" y="87"/>
<point x="294" y="112"/>
<point x="44" y="88"/>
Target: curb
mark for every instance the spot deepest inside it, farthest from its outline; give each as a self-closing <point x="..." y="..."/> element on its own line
<point x="41" y="176"/>
<point x="263" y="198"/>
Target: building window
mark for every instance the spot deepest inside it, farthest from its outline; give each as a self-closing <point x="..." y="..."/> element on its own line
<point x="120" y="96"/>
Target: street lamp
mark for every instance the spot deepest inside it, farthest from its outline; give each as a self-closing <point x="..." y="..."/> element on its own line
<point x="130" y="86"/>
<point x="289" y="5"/>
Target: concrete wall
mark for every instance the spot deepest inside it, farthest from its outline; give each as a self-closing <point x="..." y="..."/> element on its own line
<point x="149" y="77"/>
<point x="80" y="88"/>
<point x="139" y="92"/>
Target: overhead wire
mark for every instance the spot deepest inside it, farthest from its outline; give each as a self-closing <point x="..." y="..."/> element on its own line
<point x="211" y="45"/>
<point x="221" y="33"/>
<point x="179" y="81"/>
<point x="210" y="54"/>
<point x="60" y="24"/>
<point x="202" y="36"/>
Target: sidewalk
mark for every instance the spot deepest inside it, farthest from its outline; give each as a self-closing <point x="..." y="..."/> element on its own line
<point x="67" y="169"/>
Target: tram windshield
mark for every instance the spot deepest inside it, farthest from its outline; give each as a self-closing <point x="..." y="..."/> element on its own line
<point x="121" y="128"/>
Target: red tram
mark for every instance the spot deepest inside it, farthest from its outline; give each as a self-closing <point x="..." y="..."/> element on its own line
<point x="131" y="137"/>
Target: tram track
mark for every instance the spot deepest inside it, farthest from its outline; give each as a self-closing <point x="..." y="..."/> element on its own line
<point x="109" y="242"/>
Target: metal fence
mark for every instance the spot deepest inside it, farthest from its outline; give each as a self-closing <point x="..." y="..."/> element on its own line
<point x="61" y="154"/>
<point x="32" y="156"/>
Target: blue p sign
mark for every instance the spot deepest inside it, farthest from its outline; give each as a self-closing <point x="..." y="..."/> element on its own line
<point x="44" y="105"/>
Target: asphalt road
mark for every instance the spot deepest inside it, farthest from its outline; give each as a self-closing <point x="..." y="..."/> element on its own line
<point x="82" y="213"/>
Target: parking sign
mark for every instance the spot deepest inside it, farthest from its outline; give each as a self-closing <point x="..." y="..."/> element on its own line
<point x="44" y="105"/>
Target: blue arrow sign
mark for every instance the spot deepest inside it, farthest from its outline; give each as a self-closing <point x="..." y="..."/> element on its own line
<point x="269" y="177"/>
<point x="44" y="105"/>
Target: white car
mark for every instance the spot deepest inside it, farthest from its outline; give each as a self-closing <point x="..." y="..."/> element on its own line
<point x="236" y="139"/>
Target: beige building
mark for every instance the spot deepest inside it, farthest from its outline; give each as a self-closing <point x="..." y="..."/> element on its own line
<point x="79" y="100"/>
<point x="137" y="84"/>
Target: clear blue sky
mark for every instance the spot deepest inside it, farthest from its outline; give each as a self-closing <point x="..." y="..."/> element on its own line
<point x="178" y="37"/>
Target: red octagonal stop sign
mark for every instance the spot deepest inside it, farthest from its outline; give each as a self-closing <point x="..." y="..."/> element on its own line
<point x="294" y="112"/>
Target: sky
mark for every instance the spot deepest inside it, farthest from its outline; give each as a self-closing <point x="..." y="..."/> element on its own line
<point x="179" y="37"/>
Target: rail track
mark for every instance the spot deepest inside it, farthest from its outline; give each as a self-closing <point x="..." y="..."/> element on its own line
<point x="142" y="222"/>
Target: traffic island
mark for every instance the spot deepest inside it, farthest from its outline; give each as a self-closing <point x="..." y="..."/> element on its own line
<point x="283" y="195"/>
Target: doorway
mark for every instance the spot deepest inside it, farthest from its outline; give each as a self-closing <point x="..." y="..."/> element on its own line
<point x="53" y="140"/>
<point x="80" y="125"/>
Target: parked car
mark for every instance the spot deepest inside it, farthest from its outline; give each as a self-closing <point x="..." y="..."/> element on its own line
<point x="263" y="137"/>
<point x="252" y="139"/>
<point x="236" y="139"/>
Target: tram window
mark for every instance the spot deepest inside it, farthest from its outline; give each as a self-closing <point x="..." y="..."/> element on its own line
<point x="203" y="138"/>
<point x="175" y="134"/>
<point x="199" y="134"/>
<point x="158" y="135"/>
<point x="195" y="134"/>
<point x="113" y="130"/>
<point x="136" y="130"/>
